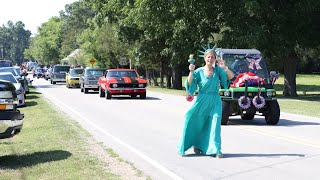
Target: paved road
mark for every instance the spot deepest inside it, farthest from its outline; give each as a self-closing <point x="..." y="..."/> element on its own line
<point x="145" y="132"/>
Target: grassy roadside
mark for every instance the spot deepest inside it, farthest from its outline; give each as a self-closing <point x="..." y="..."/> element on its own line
<point x="53" y="146"/>
<point x="307" y="103"/>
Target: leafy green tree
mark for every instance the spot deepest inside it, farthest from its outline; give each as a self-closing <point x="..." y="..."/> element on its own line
<point x="45" y="47"/>
<point x="277" y="28"/>
<point x="75" y="18"/>
<point x="14" y="39"/>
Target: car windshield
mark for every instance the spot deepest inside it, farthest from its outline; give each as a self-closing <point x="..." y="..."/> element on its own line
<point x="95" y="72"/>
<point x="75" y="72"/>
<point x="8" y="77"/>
<point x="241" y="63"/>
<point x="122" y="74"/>
<point x="10" y="70"/>
<point x="61" y="68"/>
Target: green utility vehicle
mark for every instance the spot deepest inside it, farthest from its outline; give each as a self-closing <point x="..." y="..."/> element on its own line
<point x="251" y="92"/>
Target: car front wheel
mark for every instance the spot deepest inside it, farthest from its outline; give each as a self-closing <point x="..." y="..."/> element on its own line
<point x="107" y="94"/>
<point x="81" y="87"/>
<point x="101" y="93"/>
<point x="273" y="115"/>
<point x="143" y="95"/>
<point x="225" y="112"/>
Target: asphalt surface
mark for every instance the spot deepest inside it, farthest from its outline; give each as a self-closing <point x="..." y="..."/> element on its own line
<point x="146" y="132"/>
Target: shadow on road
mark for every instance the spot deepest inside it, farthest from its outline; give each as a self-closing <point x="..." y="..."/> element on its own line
<point x="245" y="155"/>
<point x="262" y="122"/>
<point x="21" y="161"/>
<point x="133" y="98"/>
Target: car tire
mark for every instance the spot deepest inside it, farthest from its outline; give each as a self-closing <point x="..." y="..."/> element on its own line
<point x="273" y="115"/>
<point x="225" y="112"/>
<point x="143" y="95"/>
<point x="133" y="95"/>
<point x="51" y="81"/>
<point x="86" y="90"/>
<point x="107" y="94"/>
<point x="101" y="93"/>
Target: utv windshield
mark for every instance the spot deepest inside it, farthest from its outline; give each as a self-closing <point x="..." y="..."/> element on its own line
<point x="242" y="63"/>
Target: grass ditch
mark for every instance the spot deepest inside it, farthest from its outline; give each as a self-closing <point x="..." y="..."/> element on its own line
<point x="53" y="146"/>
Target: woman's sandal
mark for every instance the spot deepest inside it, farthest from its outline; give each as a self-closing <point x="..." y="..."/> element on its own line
<point x="197" y="151"/>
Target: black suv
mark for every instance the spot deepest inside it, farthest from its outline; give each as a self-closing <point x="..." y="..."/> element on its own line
<point x="58" y="73"/>
<point x="11" y="120"/>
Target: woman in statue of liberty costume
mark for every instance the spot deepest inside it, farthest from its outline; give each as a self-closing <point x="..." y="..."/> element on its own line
<point x="202" y="126"/>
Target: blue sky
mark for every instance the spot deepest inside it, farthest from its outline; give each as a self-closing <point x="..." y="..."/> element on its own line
<point x="31" y="12"/>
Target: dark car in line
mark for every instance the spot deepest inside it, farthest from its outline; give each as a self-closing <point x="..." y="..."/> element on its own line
<point x="5" y="63"/>
<point x="58" y="73"/>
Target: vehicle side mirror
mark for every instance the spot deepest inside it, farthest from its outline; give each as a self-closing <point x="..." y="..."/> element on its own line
<point x="274" y="76"/>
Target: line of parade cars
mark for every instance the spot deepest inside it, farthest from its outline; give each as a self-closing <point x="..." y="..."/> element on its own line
<point x="14" y="85"/>
<point x="108" y="82"/>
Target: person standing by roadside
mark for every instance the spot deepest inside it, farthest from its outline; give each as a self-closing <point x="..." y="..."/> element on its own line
<point x="202" y="125"/>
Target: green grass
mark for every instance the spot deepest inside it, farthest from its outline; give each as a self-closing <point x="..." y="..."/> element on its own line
<point x="308" y="90"/>
<point x="51" y="146"/>
<point x="308" y="87"/>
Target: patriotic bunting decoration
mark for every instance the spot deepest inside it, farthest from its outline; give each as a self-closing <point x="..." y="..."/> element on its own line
<point x="254" y="61"/>
<point x="253" y="80"/>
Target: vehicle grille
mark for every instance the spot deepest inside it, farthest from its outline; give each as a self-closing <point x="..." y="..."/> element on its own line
<point x="60" y="76"/>
<point x="128" y="86"/>
<point x="238" y="95"/>
<point x="92" y="82"/>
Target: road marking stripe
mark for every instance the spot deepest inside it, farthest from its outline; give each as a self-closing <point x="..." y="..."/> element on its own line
<point x="282" y="137"/>
<point x="140" y="154"/>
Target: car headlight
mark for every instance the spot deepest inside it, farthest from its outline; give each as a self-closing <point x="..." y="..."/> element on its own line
<point x="141" y="85"/>
<point x="269" y="94"/>
<point x="114" y="85"/>
<point x="226" y="93"/>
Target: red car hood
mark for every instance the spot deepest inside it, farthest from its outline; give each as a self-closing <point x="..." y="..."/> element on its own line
<point x="125" y="80"/>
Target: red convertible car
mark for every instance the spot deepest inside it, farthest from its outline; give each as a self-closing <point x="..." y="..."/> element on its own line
<point x="122" y="82"/>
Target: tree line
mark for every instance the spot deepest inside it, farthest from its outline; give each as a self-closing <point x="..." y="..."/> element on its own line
<point x="157" y="36"/>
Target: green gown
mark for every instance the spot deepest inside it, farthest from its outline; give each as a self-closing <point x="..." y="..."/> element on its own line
<point x="202" y="125"/>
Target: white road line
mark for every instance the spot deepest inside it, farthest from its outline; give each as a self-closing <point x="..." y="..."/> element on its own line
<point x="282" y="137"/>
<point x="140" y="154"/>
